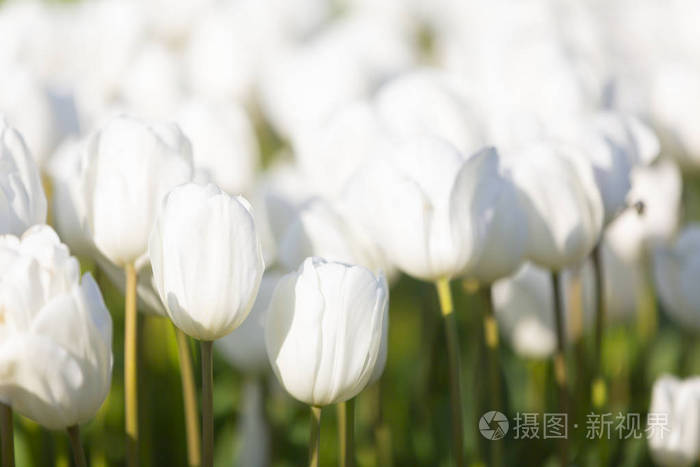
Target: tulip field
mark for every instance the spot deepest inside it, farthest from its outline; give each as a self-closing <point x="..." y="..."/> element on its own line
<point x="349" y="233"/>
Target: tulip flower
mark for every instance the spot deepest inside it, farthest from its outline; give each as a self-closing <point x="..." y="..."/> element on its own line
<point x="675" y="405"/>
<point x="23" y="203"/>
<point x="323" y="333"/>
<point x="224" y="144"/>
<point x="56" y="350"/>
<point x="129" y="165"/>
<point x="207" y="266"/>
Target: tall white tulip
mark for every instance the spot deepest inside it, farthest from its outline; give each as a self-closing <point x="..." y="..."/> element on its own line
<point x="675" y="403"/>
<point x="324" y="332"/>
<point x="206" y="258"/>
<point x="22" y="200"/>
<point x="564" y="207"/>
<point x="130" y="165"/>
<point x="56" y="333"/>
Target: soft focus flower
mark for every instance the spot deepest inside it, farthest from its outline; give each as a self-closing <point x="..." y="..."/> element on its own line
<point x="324" y="330"/>
<point x="676" y="269"/>
<point x="224" y="144"/>
<point x="22" y="200"/>
<point x="244" y="348"/>
<point x="130" y="165"/>
<point x="252" y="432"/>
<point x="563" y="204"/>
<point x="55" y="332"/>
<point x="321" y="229"/>
<point x="427" y="101"/>
<point x="494" y="205"/>
<point x="524" y="302"/>
<point x="676" y="403"/>
<point x="410" y="199"/>
<point x="206" y="258"/>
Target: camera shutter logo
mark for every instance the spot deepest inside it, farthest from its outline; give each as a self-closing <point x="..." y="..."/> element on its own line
<point x="493" y="425"/>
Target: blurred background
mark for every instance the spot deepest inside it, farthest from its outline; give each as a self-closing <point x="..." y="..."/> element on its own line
<point x="258" y="86"/>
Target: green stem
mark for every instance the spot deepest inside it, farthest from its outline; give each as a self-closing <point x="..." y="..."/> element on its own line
<point x="445" y="296"/>
<point x="78" y="452"/>
<point x="315" y="436"/>
<point x="7" y="437"/>
<point x="346" y="432"/>
<point x="491" y="340"/>
<point x="130" y="369"/>
<point x="189" y="395"/>
<point x="207" y="404"/>
<point x="560" y="363"/>
<point x="598" y="388"/>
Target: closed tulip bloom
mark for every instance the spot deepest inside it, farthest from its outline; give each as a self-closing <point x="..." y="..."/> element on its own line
<point x="676" y="269"/>
<point x="244" y="348"/>
<point x="55" y="332"/>
<point x="404" y="198"/>
<point x="130" y="165"/>
<point x="22" y="200"/>
<point x="207" y="260"/>
<point x="324" y="330"/>
<point x="562" y="202"/>
<point x="492" y="203"/>
<point x="677" y="442"/>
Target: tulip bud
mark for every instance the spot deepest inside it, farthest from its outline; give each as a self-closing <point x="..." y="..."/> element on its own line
<point x="405" y="199"/>
<point x="22" y="200"/>
<point x="676" y="269"/>
<point x="563" y="204"/>
<point x="324" y="330"/>
<point x="56" y="346"/>
<point x="675" y="403"/>
<point x="207" y="260"/>
<point x="130" y="165"/>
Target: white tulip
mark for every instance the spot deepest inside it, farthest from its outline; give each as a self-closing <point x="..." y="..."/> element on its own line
<point x="563" y="204"/>
<point x="409" y="200"/>
<point x="22" y="200"/>
<point x="675" y="442"/>
<point x="224" y="144"/>
<point x="244" y="348"/>
<point x="495" y="206"/>
<point x="130" y="165"/>
<point x="27" y="105"/>
<point x="324" y="330"/>
<point x="523" y="305"/>
<point x="676" y="269"/>
<point x="428" y="102"/>
<point x="56" y="333"/>
<point x="207" y="260"/>
<point x="65" y="167"/>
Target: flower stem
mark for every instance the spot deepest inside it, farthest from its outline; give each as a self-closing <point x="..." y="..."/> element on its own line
<point x="560" y="363"/>
<point x="346" y="432"/>
<point x="207" y="404"/>
<point x="189" y="395"/>
<point x="7" y="437"/>
<point x="491" y="339"/>
<point x="315" y="436"/>
<point x="598" y="387"/>
<point x="445" y="296"/>
<point x="131" y="369"/>
<point x="78" y="452"/>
